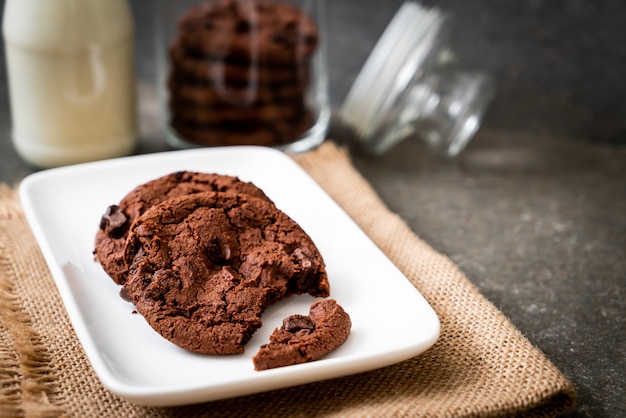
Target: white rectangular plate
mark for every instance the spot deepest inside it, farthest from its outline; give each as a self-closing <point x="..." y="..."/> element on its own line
<point x="391" y="320"/>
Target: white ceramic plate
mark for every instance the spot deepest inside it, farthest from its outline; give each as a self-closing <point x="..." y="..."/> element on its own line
<point x="391" y="320"/>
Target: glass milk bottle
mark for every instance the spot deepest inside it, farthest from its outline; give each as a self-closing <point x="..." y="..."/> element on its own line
<point x="71" y="79"/>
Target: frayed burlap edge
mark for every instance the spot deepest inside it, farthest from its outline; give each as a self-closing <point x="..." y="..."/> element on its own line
<point x="27" y="385"/>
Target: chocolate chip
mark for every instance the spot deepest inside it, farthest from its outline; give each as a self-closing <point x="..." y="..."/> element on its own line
<point x="279" y="38"/>
<point x="304" y="260"/>
<point x="295" y="323"/>
<point x="308" y="40"/>
<point x="243" y="26"/>
<point x="113" y="222"/>
<point x="226" y="252"/>
<point x="124" y="294"/>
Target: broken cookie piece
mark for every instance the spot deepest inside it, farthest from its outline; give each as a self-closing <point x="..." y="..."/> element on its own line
<point x="303" y="339"/>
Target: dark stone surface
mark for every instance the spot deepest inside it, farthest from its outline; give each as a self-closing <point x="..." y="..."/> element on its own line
<point x="539" y="225"/>
<point x="534" y="211"/>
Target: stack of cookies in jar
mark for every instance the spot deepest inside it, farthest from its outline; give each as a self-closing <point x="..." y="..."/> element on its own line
<point x="239" y="73"/>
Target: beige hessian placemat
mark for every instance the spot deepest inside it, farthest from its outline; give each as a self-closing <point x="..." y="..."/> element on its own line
<point x="481" y="365"/>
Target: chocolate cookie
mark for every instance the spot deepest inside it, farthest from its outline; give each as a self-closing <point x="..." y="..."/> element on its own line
<point x="184" y="91"/>
<point x="269" y="134"/>
<point x="223" y="115"/>
<point x="221" y="72"/>
<point x="114" y="225"/>
<point x="302" y="339"/>
<point x="203" y="267"/>
<point x="216" y="136"/>
<point x="249" y="32"/>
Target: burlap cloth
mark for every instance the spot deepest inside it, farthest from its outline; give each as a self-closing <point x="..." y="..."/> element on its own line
<point x="480" y="366"/>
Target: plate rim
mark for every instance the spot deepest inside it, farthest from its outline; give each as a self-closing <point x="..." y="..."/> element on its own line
<point x="272" y="379"/>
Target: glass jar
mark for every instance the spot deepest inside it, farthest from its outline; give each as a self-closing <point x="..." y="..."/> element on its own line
<point x="410" y="86"/>
<point x="243" y="72"/>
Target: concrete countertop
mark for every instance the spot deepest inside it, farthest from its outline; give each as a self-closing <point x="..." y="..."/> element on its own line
<point x="534" y="211"/>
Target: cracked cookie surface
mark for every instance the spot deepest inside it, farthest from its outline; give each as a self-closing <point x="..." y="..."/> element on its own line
<point x="114" y="225"/>
<point x="203" y="267"/>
